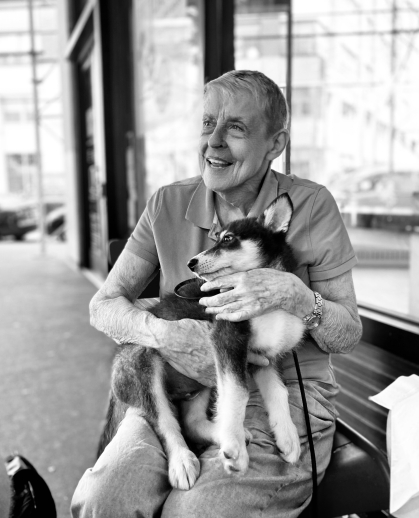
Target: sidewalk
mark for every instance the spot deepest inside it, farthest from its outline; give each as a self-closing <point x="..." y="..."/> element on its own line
<point x="54" y="368"/>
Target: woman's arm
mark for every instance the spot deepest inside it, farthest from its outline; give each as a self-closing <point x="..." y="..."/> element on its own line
<point x="260" y="291"/>
<point x="185" y="344"/>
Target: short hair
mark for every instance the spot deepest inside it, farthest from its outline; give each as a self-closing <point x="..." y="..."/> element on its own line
<point x="267" y="94"/>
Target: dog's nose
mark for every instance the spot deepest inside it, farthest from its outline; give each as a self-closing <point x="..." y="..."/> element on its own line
<point x="192" y="263"/>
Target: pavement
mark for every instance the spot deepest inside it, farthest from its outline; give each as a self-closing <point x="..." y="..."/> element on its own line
<point x="54" y="368"/>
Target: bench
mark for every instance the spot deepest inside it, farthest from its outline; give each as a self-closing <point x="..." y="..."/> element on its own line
<point x="363" y="373"/>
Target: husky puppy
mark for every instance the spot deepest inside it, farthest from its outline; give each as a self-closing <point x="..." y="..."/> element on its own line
<point x="141" y="378"/>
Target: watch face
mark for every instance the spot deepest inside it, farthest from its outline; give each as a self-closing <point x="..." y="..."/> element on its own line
<point x="313" y="322"/>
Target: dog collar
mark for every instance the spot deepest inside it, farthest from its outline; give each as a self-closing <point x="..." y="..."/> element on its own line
<point x="313" y="320"/>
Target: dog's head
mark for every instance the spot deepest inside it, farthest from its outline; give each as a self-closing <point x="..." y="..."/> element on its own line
<point x="249" y="243"/>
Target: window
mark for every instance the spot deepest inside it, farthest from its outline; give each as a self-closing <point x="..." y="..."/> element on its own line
<point x="17" y="111"/>
<point x="168" y="69"/>
<point x="301" y="103"/>
<point x="260" y="42"/>
<point x="348" y="110"/>
<point x="355" y="127"/>
<point x="21" y="171"/>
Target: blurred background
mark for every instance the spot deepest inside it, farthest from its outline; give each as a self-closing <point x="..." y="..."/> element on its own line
<point x="117" y="104"/>
<point x="100" y="104"/>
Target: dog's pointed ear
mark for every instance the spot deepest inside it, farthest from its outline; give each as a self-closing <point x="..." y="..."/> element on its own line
<point x="277" y="216"/>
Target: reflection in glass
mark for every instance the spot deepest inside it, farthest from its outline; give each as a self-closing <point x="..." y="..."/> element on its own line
<point x="354" y="124"/>
<point x="168" y="68"/>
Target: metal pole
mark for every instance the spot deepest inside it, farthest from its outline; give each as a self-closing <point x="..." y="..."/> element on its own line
<point x="289" y="84"/>
<point x="41" y="205"/>
<point x="393" y="62"/>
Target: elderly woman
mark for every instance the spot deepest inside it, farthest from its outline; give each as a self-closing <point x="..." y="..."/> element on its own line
<point x="243" y="131"/>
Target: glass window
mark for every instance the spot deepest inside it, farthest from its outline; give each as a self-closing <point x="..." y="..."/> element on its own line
<point x="355" y="127"/>
<point x="21" y="169"/>
<point x="168" y="68"/>
<point x="260" y="43"/>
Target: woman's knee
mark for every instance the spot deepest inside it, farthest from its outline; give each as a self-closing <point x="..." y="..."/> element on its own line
<point x="129" y="478"/>
<point x="93" y="498"/>
<point x="137" y="493"/>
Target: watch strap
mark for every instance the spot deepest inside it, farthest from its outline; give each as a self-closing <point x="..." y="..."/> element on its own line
<point x="313" y="319"/>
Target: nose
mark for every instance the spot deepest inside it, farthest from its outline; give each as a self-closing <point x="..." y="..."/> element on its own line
<point x="192" y="263"/>
<point x="216" y="139"/>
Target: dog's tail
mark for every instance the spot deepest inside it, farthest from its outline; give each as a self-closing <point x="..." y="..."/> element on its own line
<point x="114" y="415"/>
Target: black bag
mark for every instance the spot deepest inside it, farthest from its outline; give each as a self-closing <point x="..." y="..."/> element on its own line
<point x="30" y="495"/>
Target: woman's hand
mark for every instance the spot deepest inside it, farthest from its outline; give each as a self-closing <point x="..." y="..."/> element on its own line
<point x="186" y="345"/>
<point x="255" y="292"/>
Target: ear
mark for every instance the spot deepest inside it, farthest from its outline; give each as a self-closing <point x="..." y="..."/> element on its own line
<point x="277" y="216"/>
<point x="280" y="141"/>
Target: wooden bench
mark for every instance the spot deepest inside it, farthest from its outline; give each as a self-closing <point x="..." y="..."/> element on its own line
<point x="363" y="373"/>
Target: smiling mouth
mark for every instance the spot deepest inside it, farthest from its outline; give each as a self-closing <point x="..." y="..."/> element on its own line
<point x="218" y="163"/>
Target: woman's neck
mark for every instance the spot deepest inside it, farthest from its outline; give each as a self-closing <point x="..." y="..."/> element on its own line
<point x="226" y="211"/>
<point x="237" y="203"/>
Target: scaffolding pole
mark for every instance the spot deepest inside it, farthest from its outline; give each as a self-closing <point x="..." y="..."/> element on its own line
<point x="40" y="186"/>
<point x="393" y="78"/>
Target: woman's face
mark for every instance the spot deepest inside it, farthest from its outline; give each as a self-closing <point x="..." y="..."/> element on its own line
<point x="234" y="149"/>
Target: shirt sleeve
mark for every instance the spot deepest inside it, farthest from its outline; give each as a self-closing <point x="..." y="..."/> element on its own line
<point x="332" y="250"/>
<point x="141" y="241"/>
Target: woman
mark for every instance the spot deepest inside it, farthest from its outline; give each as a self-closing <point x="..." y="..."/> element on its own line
<point x="243" y="131"/>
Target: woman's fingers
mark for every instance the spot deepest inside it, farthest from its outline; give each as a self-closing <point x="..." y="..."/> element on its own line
<point x="236" y="316"/>
<point x="222" y="299"/>
<point x="257" y="359"/>
<point x="225" y="282"/>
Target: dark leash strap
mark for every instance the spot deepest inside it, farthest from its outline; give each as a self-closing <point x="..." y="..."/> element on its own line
<point x="310" y="437"/>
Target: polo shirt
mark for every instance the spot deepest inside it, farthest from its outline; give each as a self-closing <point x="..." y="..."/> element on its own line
<point x="180" y="221"/>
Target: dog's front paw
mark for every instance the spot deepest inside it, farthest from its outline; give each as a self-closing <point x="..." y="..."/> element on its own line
<point x="288" y="442"/>
<point x="184" y="469"/>
<point x="234" y="456"/>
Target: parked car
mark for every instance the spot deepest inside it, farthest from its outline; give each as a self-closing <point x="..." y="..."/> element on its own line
<point x="379" y="199"/>
<point x="17" y="218"/>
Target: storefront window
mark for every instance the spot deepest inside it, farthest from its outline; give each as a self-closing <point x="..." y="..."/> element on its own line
<point x="355" y="127"/>
<point x="260" y="32"/>
<point x="168" y="69"/>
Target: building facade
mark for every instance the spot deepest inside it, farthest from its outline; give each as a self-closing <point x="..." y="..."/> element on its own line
<point x="18" y="154"/>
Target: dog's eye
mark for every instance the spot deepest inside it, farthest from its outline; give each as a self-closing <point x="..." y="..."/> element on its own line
<point x="227" y="238"/>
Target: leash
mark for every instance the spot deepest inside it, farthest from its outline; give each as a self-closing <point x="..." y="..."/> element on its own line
<point x="310" y="438"/>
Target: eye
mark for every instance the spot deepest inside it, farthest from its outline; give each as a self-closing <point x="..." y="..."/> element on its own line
<point x="235" y="127"/>
<point x="227" y="238"/>
<point x="207" y="123"/>
<point x="217" y="235"/>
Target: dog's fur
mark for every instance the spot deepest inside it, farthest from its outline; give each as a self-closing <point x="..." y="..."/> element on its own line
<point x="141" y="378"/>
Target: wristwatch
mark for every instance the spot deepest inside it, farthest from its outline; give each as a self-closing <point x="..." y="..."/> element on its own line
<point x="313" y="320"/>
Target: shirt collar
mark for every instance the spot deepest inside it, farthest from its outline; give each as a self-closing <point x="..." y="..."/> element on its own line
<point x="201" y="209"/>
<point x="274" y="184"/>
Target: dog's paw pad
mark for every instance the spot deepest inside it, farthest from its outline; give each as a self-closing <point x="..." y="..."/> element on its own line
<point x="184" y="469"/>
